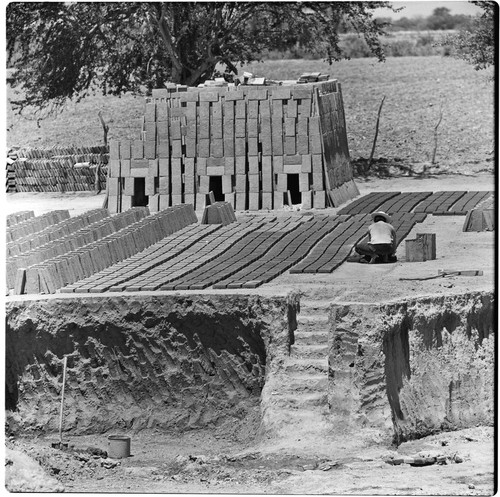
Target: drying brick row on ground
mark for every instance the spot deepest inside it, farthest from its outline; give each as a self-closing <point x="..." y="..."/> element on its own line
<point x="35" y="224"/>
<point x="62" y="270"/>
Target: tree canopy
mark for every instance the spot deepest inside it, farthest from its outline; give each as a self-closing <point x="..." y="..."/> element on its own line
<point x="476" y="44"/>
<point x="58" y="51"/>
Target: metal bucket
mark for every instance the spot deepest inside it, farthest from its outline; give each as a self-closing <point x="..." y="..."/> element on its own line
<point x="118" y="446"/>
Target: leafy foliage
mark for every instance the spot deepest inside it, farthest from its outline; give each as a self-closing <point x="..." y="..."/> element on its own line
<point x="477" y="45"/>
<point x="60" y="51"/>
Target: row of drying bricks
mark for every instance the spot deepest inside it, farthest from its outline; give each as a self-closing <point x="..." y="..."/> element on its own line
<point x="242" y="255"/>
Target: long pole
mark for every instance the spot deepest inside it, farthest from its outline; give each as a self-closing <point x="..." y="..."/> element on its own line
<point x="376" y="134"/>
<point x="62" y="399"/>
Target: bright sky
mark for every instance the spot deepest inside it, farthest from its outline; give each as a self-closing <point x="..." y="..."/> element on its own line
<point x="425" y="8"/>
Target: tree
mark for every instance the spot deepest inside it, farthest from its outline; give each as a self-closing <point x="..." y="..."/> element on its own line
<point x="477" y="44"/>
<point x="58" y="51"/>
<point x="441" y="18"/>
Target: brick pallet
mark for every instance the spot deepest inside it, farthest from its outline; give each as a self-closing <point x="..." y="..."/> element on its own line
<point x="247" y="140"/>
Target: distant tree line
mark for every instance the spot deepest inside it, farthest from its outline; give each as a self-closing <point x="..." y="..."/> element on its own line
<point x="441" y="19"/>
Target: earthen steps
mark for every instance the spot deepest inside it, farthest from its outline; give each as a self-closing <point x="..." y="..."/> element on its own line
<point x="309" y="350"/>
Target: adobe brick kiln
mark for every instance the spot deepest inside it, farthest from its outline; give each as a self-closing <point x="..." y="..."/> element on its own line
<point x="256" y="147"/>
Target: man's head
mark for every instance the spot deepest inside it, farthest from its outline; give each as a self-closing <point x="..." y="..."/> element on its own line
<point x="381" y="216"/>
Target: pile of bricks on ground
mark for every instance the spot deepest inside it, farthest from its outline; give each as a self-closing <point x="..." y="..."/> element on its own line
<point x="58" y="239"/>
<point x="250" y="138"/>
<point x="33" y="225"/>
<point x="140" y="231"/>
<point x="18" y="217"/>
<point x="55" y="169"/>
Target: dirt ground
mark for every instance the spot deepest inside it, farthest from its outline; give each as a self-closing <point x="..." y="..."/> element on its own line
<point x="230" y="459"/>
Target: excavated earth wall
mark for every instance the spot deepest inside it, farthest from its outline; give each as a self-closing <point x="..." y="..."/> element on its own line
<point x="140" y="361"/>
<point x="408" y="369"/>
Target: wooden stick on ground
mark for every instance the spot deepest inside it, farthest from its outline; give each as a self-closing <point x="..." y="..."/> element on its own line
<point x="376" y="134"/>
<point x="62" y="400"/>
<point x="433" y="161"/>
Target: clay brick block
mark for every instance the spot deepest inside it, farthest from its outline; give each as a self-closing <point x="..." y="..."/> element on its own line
<point x="292" y="160"/>
<point x="227" y="184"/>
<point x="190" y="147"/>
<point x="307" y="199"/>
<point x="177" y="199"/>
<point x="203" y="184"/>
<point x="257" y="94"/>
<point x="240" y="165"/>
<point x="204" y="148"/>
<point x="163" y="185"/>
<point x="215" y="170"/>
<point x="267" y="175"/>
<point x="200" y="201"/>
<point x="253" y="147"/>
<point x="304" y="182"/>
<point x="290" y="126"/>
<point x="282" y="183"/>
<point x="150" y="112"/>
<point x="189" y="96"/>
<point x="241" y="183"/>
<point x="317" y="182"/>
<point x="266" y="142"/>
<point x="241" y="200"/>
<point x="162" y="133"/>
<point x="153" y="169"/>
<point x="234" y="95"/>
<point x="291" y="108"/>
<point x="254" y="182"/>
<point x="216" y="128"/>
<point x="162" y="112"/>
<point x="277" y="143"/>
<point x="278" y="200"/>
<point x="127" y="201"/>
<point x="189" y="198"/>
<point x="113" y="186"/>
<point x="229" y="146"/>
<point x="280" y="93"/>
<point x="229" y="165"/>
<point x="302" y="144"/>
<point x="240" y="128"/>
<point x="240" y="109"/>
<point x="253" y="165"/>
<point x="278" y="164"/>
<point x="305" y="107"/>
<point x="230" y="198"/>
<point x="137" y="149"/>
<point x="208" y="96"/>
<point x="302" y="92"/>
<point x="315" y="146"/>
<point x="292" y="168"/>
<point x="163" y="167"/>
<point x="114" y="149"/>
<point x="150" y="185"/>
<point x="128" y="188"/>
<point x="289" y="147"/>
<point x="228" y="109"/>
<point x="240" y="148"/>
<point x="139" y="164"/>
<point x="154" y="203"/>
<point x="253" y="128"/>
<point x="217" y="147"/>
<point x="319" y="199"/>
<point x="125" y="151"/>
<point x="252" y="109"/>
<point x="114" y="168"/>
<point x="317" y="164"/>
<point x="201" y="166"/>
<point x="265" y="110"/>
<point x="253" y="201"/>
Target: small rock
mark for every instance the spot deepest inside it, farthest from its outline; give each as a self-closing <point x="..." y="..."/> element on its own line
<point x="458" y="459"/>
<point x="309" y="467"/>
<point x="471" y="486"/>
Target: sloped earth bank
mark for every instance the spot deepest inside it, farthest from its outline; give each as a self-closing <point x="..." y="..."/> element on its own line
<point x="182" y="377"/>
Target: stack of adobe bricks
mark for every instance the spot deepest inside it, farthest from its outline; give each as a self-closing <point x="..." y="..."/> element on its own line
<point x="35" y="224"/>
<point x="53" y="169"/>
<point x="138" y="231"/>
<point x="250" y="137"/>
<point x="18" y="217"/>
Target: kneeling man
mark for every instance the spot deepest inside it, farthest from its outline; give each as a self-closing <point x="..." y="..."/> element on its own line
<point x="381" y="240"/>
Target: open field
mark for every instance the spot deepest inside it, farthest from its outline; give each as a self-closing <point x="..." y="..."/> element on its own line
<point x="416" y="89"/>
